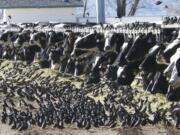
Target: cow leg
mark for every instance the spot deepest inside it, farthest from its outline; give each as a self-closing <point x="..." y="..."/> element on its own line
<point x="63" y="65"/>
<point x="173" y="94"/>
<point x="146" y="78"/>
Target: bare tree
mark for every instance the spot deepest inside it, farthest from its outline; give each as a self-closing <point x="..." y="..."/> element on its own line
<point x="133" y="7"/>
<point x="85" y="7"/>
<point x="121" y="7"/>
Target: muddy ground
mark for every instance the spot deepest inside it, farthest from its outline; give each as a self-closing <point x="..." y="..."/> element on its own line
<point x="157" y="100"/>
<point x="70" y="130"/>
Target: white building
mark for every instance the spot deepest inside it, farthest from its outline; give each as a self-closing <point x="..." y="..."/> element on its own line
<point x="18" y="11"/>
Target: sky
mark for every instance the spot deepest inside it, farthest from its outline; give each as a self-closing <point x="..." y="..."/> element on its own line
<point x="145" y="8"/>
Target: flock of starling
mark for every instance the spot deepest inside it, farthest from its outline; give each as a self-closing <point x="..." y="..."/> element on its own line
<point x="31" y="99"/>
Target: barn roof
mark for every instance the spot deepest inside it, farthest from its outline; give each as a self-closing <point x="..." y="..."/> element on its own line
<point x="40" y="3"/>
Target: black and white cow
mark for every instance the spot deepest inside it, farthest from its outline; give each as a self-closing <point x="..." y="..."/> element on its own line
<point x="158" y="84"/>
<point x="149" y="66"/>
<point x="92" y="42"/>
<point x="39" y="39"/>
<point x="142" y="44"/>
<point x="54" y="58"/>
<point x="21" y="41"/>
<point x="170" y="49"/>
<point x="173" y="94"/>
<point x="113" y="41"/>
<point x="149" y="63"/>
<point x="174" y="80"/>
<point x="55" y="37"/>
<point x="23" y="38"/>
<point x="68" y="44"/>
<point x="172" y="63"/>
<point x="30" y="53"/>
<point x="127" y="73"/>
<point x="120" y="60"/>
<point x="67" y="47"/>
<point x="112" y="47"/>
<point x="8" y="37"/>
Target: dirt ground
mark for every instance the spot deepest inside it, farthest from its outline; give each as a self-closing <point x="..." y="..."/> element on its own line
<point x="148" y="130"/>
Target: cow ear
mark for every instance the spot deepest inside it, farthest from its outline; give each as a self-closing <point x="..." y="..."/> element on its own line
<point x="178" y="66"/>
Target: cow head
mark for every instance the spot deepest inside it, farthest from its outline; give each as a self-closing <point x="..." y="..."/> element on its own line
<point x="22" y="39"/>
<point x="8" y="37"/>
<point x="175" y="75"/>
<point x="38" y="39"/>
<point x="172" y="63"/>
<point x="113" y="41"/>
<point x="111" y="72"/>
<point x="164" y="56"/>
<point x="173" y="94"/>
<point x="70" y="67"/>
<point x="79" y="66"/>
<point x="158" y="84"/>
<point x="140" y="47"/>
<point x="55" y="37"/>
<point x="150" y="59"/>
<point x="91" y="42"/>
<point x="125" y="75"/>
<point x="68" y="44"/>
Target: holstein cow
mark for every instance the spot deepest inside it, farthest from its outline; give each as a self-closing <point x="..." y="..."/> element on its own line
<point x="134" y="57"/>
<point x="39" y="39"/>
<point x="30" y="53"/>
<point x="54" y="58"/>
<point x="173" y="74"/>
<point x="149" y="66"/>
<point x="50" y="55"/>
<point x="158" y="84"/>
<point x="164" y="57"/>
<point x="142" y="44"/>
<point x="21" y="41"/>
<point x="37" y="44"/>
<point x="174" y="80"/>
<point x="173" y="94"/>
<point x="173" y="60"/>
<point x="113" y="43"/>
<point x="55" y="37"/>
<point x="8" y="37"/>
<point x="99" y="65"/>
<point x="7" y="48"/>
<point x="127" y="73"/>
<point x="112" y="47"/>
<point x="120" y="60"/>
<point x="68" y="46"/>
<point x="93" y="42"/>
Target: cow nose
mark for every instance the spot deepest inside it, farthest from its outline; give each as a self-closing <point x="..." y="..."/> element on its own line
<point x="107" y="48"/>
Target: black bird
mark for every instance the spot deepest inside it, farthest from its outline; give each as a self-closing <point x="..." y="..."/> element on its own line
<point x="158" y="2"/>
